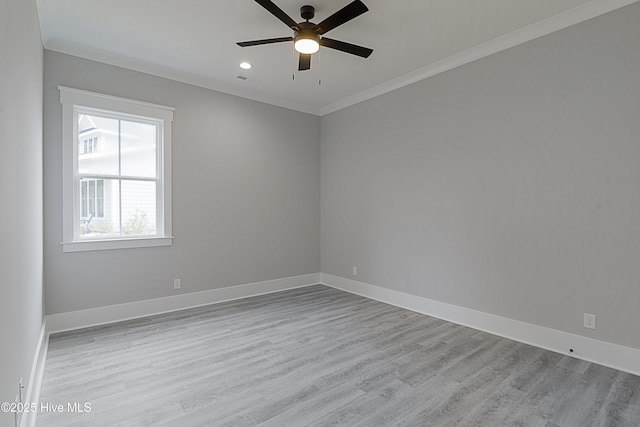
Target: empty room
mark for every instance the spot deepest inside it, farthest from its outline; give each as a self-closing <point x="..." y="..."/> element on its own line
<point x="341" y="212"/>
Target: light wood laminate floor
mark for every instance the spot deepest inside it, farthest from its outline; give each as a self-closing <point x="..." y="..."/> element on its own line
<point x="317" y="356"/>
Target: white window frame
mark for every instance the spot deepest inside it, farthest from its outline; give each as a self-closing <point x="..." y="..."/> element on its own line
<point x="74" y="101"/>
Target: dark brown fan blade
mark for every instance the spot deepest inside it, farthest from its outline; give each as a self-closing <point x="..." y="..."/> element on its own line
<point x="278" y="13"/>
<point x="265" y="41"/>
<point x="346" y="47"/>
<point x="347" y="13"/>
<point x="305" y="62"/>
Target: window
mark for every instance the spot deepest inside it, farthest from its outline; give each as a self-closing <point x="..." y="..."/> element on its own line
<point x="92" y="198"/>
<point x="90" y="145"/>
<point x="116" y="172"/>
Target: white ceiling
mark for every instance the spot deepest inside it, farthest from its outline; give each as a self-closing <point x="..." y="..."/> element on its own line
<point x="195" y="41"/>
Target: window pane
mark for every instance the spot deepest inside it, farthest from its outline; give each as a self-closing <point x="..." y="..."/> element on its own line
<point x="138" y="149"/>
<point x="138" y="208"/>
<point x="121" y="208"/>
<point x="104" y="158"/>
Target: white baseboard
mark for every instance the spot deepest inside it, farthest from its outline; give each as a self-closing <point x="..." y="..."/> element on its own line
<point x="603" y="353"/>
<point x="116" y="313"/>
<point x="32" y="393"/>
<point x="612" y="355"/>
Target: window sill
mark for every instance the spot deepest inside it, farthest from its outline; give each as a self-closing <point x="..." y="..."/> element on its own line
<point x="102" y="245"/>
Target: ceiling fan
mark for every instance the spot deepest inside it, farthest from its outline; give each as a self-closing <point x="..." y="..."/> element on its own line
<point x="307" y="35"/>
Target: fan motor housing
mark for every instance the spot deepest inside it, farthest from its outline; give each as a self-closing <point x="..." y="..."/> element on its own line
<point x="306" y="34"/>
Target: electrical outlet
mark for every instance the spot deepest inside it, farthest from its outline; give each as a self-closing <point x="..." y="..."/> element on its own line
<point x="589" y="321"/>
<point x="177" y="283"/>
<point x="355" y="271"/>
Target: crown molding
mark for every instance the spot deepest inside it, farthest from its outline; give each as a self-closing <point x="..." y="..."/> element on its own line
<point x="541" y="28"/>
<point x="84" y="52"/>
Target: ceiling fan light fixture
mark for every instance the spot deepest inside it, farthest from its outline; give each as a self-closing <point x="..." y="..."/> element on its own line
<point x="308" y="36"/>
<point x="307" y="43"/>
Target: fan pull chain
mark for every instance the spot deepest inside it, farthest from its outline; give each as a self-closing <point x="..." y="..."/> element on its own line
<point x="293" y="62"/>
<point x="320" y="67"/>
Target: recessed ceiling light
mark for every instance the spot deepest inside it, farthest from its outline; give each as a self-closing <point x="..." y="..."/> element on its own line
<point x="245" y="65"/>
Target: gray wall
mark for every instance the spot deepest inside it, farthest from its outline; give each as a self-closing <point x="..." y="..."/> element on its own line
<point x="21" y="194"/>
<point x="509" y="185"/>
<point x="246" y="194"/>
